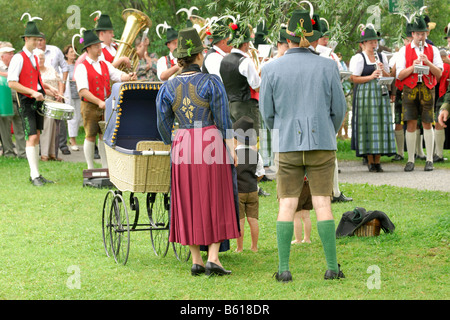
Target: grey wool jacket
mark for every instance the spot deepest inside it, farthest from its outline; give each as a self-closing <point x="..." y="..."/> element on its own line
<point x="302" y="101"/>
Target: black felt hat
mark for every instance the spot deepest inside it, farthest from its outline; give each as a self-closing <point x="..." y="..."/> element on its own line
<point x="90" y="38"/>
<point x="419" y="25"/>
<point x="171" y="34"/>
<point x="31" y="30"/>
<point x="368" y="34"/>
<point x="104" y="23"/>
<point x="189" y="43"/>
<point x="300" y="28"/>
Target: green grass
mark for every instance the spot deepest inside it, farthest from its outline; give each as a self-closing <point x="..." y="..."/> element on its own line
<point x="47" y="231"/>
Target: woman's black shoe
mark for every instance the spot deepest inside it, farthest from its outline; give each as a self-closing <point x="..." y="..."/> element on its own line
<point x="372" y="168"/>
<point x="378" y="167"/>
<point x="197" y="269"/>
<point x="212" y="268"/>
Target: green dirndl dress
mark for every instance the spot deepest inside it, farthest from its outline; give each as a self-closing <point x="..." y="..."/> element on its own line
<point x="373" y="119"/>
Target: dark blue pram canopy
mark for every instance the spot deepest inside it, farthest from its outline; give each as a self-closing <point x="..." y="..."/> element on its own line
<point x="130" y="115"/>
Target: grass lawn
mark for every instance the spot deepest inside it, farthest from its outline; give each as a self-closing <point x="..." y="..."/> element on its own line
<point x="52" y="235"/>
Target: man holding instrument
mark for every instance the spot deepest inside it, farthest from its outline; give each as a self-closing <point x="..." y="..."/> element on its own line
<point x="25" y="78"/>
<point x="93" y="78"/>
<point x="418" y="90"/>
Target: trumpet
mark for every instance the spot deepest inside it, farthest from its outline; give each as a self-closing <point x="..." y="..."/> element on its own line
<point x="421" y="63"/>
<point x="384" y="88"/>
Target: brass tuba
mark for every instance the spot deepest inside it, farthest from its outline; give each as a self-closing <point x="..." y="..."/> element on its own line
<point x="254" y="53"/>
<point x="135" y="22"/>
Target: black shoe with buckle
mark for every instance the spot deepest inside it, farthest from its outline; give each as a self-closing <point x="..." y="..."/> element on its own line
<point x="397" y="157"/>
<point x="341" y="198"/>
<point x="261" y="192"/>
<point x="37" y="182"/>
<point x="330" y="274"/>
<point x="285" y="276"/>
<point x="45" y="180"/>
<point x="409" y="166"/>
<point x="428" y="166"/>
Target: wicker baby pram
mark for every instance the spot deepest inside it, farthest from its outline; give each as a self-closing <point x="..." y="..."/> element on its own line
<point x="138" y="162"/>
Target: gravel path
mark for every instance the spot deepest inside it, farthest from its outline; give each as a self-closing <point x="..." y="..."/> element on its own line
<point x="394" y="175"/>
<point x="355" y="172"/>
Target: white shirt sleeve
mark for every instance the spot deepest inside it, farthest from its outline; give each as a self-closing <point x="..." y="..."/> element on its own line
<point x="161" y="66"/>
<point x="385" y="62"/>
<point x="15" y="68"/>
<point x="400" y="63"/>
<point x="356" y="65"/>
<point x="114" y="74"/>
<point x="248" y="70"/>
<point x="212" y="63"/>
<point x="260" y="167"/>
<point x="81" y="77"/>
<point x="437" y="59"/>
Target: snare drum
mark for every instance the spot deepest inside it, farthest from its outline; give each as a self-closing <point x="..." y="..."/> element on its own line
<point x="58" y="110"/>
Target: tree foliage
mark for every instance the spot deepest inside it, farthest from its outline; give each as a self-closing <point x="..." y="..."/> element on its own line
<point x="344" y="16"/>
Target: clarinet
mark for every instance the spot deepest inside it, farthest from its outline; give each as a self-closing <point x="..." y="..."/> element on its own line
<point x="421" y="63"/>
<point x="384" y="88"/>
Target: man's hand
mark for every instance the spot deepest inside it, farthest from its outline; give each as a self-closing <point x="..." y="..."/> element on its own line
<point x="102" y="105"/>
<point x="443" y="116"/>
<point x="38" y="96"/>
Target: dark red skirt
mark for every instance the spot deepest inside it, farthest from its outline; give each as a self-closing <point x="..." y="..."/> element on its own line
<point x="203" y="207"/>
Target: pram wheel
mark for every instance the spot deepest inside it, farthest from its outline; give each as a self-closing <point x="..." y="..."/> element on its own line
<point x="181" y="252"/>
<point x="106" y="223"/>
<point x="119" y="230"/>
<point x="158" y="205"/>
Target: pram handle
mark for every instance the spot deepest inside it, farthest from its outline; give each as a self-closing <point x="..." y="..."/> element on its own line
<point x="142" y="153"/>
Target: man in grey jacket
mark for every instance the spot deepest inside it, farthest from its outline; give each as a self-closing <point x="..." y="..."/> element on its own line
<point x="302" y="102"/>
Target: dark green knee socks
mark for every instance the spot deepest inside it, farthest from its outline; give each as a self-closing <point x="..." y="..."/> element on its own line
<point x="327" y="234"/>
<point x="285" y="231"/>
<point x="326" y="230"/>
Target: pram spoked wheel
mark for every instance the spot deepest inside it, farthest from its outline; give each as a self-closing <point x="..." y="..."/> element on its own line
<point x="119" y="229"/>
<point x="158" y="206"/>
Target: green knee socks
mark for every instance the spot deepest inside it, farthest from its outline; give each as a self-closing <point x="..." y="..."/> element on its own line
<point x="285" y="231"/>
<point x="327" y="234"/>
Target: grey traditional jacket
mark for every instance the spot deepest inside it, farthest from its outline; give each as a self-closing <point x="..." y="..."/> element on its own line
<point x="302" y="101"/>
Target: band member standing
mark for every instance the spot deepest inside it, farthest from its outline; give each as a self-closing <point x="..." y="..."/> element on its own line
<point x="440" y="134"/>
<point x="24" y="77"/>
<point x="93" y="82"/>
<point x="220" y="48"/>
<point x="167" y="66"/>
<point x="419" y="92"/>
<point x="239" y="74"/>
<point x="105" y="33"/>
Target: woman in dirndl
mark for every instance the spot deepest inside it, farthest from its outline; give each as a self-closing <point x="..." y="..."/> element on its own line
<point x="203" y="185"/>
<point x="372" y="124"/>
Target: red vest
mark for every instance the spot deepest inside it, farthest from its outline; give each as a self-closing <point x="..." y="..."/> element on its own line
<point x="108" y="56"/>
<point x="411" y="81"/>
<point x="443" y="83"/>
<point x="98" y="83"/>
<point x="29" y="76"/>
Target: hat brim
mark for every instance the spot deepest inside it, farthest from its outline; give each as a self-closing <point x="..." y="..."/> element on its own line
<point x="369" y="39"/>
<point x="32" y="36"/>
<point x="316" y="36"/>
<point x="183" y="53"/>
<point x="90" y="44"/>
<point x="420" y="30"/>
